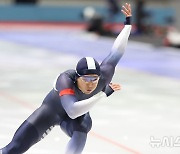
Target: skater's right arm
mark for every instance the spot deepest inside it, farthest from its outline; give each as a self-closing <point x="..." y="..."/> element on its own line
<point x="73" y="107"/>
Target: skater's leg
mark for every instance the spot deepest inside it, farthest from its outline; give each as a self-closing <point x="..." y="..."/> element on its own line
<point x="77" y="129"/>
<point x="76" y="143"/>
<point x="24" y="138"/>
<point x="32" y="130"/>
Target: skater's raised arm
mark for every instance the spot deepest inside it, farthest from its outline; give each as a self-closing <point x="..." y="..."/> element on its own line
<point x="120" y="43"/>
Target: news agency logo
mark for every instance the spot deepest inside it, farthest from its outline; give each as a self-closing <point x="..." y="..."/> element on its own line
<point x="165" y="142"/>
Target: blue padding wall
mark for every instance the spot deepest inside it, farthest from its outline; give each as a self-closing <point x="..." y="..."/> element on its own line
<point x="37" y="13"/>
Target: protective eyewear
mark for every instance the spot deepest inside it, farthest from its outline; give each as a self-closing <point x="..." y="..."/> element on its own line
<point x="87" y="78"/>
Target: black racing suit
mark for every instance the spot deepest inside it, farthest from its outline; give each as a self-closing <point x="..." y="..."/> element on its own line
<point x="54" y="109"/>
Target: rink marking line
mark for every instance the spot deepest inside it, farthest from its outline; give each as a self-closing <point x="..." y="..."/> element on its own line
<point x="16" y="99"/>
<point x="40" y="25"/>
<point x="108" y="140"/>
<point x="98" y="136"/>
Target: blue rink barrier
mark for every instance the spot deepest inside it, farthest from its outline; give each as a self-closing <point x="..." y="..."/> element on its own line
<point x="37" y="13"/>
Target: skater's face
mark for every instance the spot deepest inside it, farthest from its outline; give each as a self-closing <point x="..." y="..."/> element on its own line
<point x="88" y="83"/>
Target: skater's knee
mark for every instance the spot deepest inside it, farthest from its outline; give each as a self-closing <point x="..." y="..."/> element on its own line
<point x="81" y="124"/>
<point x="85" y="125"/>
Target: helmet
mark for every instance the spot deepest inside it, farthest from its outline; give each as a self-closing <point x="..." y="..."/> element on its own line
<point x="87" y="65"/>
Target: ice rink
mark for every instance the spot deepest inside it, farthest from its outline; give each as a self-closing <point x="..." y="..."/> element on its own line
<point x="142" y="118"/>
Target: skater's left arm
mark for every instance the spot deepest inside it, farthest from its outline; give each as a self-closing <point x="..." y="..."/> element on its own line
<point x="120" y="43"/>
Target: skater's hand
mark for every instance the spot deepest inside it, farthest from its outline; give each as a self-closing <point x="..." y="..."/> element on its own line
<point x="115" y="86"/>
<point x="112" y="87"/>
<point x="126" y="10"/>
